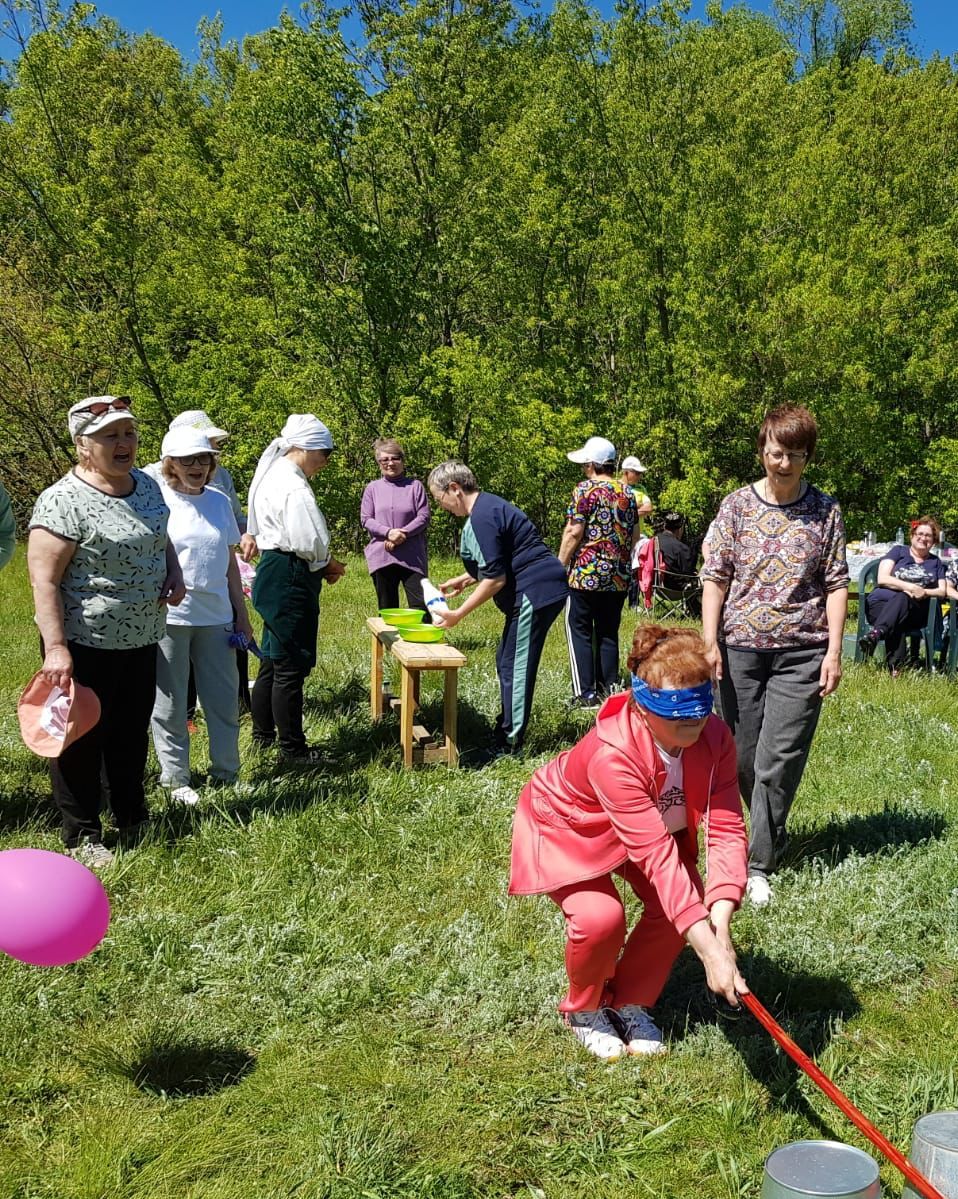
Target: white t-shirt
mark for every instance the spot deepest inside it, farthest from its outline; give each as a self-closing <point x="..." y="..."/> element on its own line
<point x="202" y="528"/>
<point x="671" y="800"/>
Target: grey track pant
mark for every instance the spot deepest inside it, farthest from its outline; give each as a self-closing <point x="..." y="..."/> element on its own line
<point x="770" y="701"/>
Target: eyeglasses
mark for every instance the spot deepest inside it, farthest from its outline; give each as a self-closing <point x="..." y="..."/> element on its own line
<point x="923" y="536"/>
<point x="196" y="460"/>
<point x="120" y="404"/>
<point x="798" y="456"/>
<point x="390" y="458"/>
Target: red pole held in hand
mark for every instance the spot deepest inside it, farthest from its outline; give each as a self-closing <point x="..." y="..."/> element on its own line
<point x="768" y="1022"/>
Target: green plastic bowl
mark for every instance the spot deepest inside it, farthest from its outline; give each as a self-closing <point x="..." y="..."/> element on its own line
<point x="401" y="618"/>
<point x="426" y="633"/>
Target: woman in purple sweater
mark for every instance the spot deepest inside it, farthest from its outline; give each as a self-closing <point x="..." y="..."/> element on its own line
<point x="395" y="513"/>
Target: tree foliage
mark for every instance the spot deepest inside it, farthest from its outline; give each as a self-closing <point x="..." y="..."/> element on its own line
<point x="492" y="234"/>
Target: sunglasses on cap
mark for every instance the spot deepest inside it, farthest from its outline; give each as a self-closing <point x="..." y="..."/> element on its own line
<point x="119" y="404"/>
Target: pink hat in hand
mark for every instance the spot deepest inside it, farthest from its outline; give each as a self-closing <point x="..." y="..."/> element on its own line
<point x="51" y="719"/>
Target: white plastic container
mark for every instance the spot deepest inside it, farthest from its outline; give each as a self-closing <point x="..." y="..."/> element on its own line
<point x="435" y="600"/>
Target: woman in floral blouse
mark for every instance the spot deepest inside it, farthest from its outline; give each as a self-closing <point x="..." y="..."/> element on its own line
<point x="774" y="599"/>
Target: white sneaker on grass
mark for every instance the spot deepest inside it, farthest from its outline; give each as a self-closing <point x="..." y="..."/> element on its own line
<point x="758" y="890"/>
<point x="597" y="1032"/>
<point x="93" y="854"/>
<point x="642" y="1036"/>
<point x="185" y="795"/>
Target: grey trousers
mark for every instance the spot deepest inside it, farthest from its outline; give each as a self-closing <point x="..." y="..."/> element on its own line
<point x="214" y="667"/>
<point x="770" y="701"/>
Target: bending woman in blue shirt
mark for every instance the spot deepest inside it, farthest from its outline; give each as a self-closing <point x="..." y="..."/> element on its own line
<point x="510" y="564"/>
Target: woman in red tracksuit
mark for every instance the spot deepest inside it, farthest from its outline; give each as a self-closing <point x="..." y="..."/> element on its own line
<point x="629" y="799"/>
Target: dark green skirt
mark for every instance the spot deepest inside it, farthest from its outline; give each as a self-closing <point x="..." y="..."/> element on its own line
<point x="286" y="595"/>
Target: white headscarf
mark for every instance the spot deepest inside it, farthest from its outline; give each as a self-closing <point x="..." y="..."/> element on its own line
<point x="301" y="432"/>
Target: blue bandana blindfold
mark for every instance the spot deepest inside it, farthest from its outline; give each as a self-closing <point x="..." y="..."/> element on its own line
<point x="681" y="703"/>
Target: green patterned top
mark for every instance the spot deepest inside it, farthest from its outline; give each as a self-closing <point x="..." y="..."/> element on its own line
<point x="111" y="586"/>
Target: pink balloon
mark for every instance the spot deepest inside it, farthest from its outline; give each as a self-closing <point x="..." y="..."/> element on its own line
<point x="53" y="910"/>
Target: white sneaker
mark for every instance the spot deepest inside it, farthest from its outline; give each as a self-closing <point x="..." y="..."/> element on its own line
<point x="93" y="854"/>
<point x="185" y="795"/>
<point x="641" y="1034"/>
<point x="596" y="1031"/>
<point x="758" y="890"/>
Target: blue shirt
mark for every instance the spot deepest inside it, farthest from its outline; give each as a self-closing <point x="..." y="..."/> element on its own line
<point x="500" y="540"/>
<point x="926" y="574"/>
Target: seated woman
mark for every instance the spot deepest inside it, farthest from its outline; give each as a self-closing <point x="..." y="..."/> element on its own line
<point x="203" y="532"/>
<point x="628" y="800"/>
<point x="907" y="579"/>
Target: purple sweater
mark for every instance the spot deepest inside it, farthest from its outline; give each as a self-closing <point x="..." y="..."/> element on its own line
<point x="395" y="504"/>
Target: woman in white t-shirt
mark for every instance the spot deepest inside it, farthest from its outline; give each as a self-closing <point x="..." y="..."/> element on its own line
<point x="203" y="532"/>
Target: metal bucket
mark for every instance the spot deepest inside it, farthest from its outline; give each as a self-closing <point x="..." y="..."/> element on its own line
<point x="934" y="1151"/>
<point x="806" y="1169"/>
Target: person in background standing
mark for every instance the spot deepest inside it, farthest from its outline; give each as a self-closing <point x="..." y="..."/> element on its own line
<point x="293" y="541"/>
<point x="203" y="531"/>
<point x="774" y="599"/>
<point x="602" y="526"/>
<point x="8" y="528"/>
<point x="395" y="514"/>
<point x="632" y="479"/>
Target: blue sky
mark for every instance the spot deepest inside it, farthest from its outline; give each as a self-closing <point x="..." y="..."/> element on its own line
<point x="936" y="21"/>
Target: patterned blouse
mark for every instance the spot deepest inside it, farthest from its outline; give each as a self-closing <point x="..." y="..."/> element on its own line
<point x="779" y="561"/>
<point x="609" y="512"/>
<point x="111" y="586"/>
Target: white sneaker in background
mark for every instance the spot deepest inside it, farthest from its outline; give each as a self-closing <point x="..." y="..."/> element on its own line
<point x="185" y="795"/>
<point x="93" y="854"/>
<point x="758" y="890"/>
<point x="596" y="1031"/>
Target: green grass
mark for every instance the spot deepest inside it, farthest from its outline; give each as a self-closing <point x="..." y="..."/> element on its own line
<point x="323" y="991"/>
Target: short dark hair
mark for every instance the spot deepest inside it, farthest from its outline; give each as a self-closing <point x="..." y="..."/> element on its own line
<point x="792" y="426"/>
<point x="673" y="521"/>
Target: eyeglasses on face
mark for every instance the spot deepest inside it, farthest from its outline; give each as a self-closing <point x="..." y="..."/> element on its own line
<point x="920" y="536"/>
<point x="196" y="460"/>
<point x="120" y="404"/>
<point x="384" y="458"/>
<point x="792" y="455"/>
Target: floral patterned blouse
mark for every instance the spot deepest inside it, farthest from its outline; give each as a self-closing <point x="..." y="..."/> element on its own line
<point x="778" y="561"/>
<point x="609" y="512"/>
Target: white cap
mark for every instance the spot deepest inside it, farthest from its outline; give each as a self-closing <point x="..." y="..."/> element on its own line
<point x="596" y="449"/>
<point x="196" y="418"/>
<point x="106" y="410"/>
<point x="632" y="463"/>
<point x="184" y="442"/>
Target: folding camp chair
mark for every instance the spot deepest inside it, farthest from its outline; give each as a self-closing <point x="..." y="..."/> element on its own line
<point x="674" y="596"/>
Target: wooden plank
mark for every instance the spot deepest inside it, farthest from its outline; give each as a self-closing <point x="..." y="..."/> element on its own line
<point x="376" y="680"/>
<point x="450" y="713"/>
<point x="405" y="716"/>
<point x="422" y="735"/>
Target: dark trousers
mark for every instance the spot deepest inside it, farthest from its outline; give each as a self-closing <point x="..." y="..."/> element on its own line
<point x="386" y="580"/>
<point x="771" y="703"/>
<point x="125" y="684"/>
<point x="592" y="620"/>
<point x="277" y="705"/>
<point x="517" y="664"/>
<point x="893" y="614"/>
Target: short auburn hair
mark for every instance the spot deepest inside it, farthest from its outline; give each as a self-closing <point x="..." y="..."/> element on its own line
<point x="668" y="655"/>
<point x="930" y="521"/>
<point x="792" y="426"/>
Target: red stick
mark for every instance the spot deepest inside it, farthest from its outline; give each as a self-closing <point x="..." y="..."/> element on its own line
<point x="768" y="1022"/>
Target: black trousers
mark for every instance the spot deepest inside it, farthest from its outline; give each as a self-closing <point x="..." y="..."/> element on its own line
<point x="277" y="705"/>
<point x="125" y="684"/>
<point x="592" y="622"/>
<point x="893" y="614"/>
<point x="386" y="580"/>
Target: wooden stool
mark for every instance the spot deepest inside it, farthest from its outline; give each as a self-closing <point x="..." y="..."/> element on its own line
<point x="418" y="744"/>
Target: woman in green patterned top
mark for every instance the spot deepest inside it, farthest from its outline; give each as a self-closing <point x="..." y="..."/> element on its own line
<point x="102" y="571"/>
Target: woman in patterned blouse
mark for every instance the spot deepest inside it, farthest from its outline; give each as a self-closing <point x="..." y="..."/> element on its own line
<point x="774" y="599"/>
<point x="102" y="572"/>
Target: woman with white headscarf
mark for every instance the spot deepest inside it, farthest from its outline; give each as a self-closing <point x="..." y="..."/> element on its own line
<point x="293" y="541"/>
